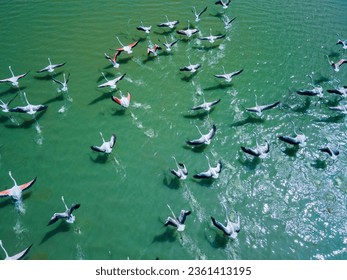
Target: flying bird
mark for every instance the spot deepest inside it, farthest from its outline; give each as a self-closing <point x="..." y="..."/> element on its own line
<point x="169" y="45"/>
<point x="181" y="172"/>
<point x="17" y="256"/>
<point x="297" y="140"/>
<point x="204" y="138"/>
<point x="51" y="67"/>
<point x="227" y="21"/>
<point x="16" y="191"/>
<point x="336" y="65"/>
<point x="123" y="101"/>
<point x="14" y="79"/>
<point x="343" y="43"/>
<point x="153" y="49"/>
<point x="260" y="151"/>
<point x="111" y="83"/>
<point x="230" y="229"/>
<point x="198" y="15"/>
<point x="211" y="38"/>
<point x="188" y="31"/>
<point x="113" y="59"/>
<point x="225" y="4"/>
<point x="29" y="108"/>
<point x="63" y="83"/>
<point x="341" y="108"/>
<point x="127" y="48"/>
<point x="258" y="109"/>
<point x="191" y="67"/>
<point x="106" y="146"/>
<point x="331" y="151"/>
<point x="168" y="23"/>
<point x="228" y="76"/>
<point x="67" y="214"/>
<point x="178" y="223"/>
<point x="206" y="106"/>
<point x="212" y="172"/>
<point x="146" y="29"/>
<point x="342" y="91"/>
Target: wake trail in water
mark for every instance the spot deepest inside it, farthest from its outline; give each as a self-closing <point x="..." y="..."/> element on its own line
<point x="188" y="243"/>
<point x="194" y="204"/>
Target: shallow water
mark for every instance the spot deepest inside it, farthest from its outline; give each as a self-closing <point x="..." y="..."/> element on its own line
<point x="292" y="204"/>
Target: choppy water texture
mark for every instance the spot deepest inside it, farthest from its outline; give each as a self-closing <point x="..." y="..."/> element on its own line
<point x="292" y="204"/>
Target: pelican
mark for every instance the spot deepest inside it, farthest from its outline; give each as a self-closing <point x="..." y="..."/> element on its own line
<point x="315" y="91"/>
<point x="18" y="256"/>
<point x="177" y="222"/>
<point x="207" y="106"/>
<point x="181" y="172"/>
<point x="339" y="90"/>
<point x="16" y="191"/>
<point x="336" y="65"/>
<point x="168" y="23"/>
<point x="67" y="214"/>
<point x="114" y="59"/>
<point x="198" y="15"/>
<point x="211" y="38"/>
<point x="128" y="48"/>
<point x="205" y="138"/>
<point x="212" y="172"/>
<point x="153" y="49"/>
<point x="230" y="229"/>
<point x="191" y="67"/>
<point x="298" y="140"/>
<point x="106" y="146"/>
<point x="111" y="83"/>
<point x="123" y="101"/>
<point x="168" y="45"/>
<point x="14" y="79"/>
<point x="258" y="109"/>
<point x="228" y="76"/>
<point x="188" y="32"/>
<point x="4" y="106"/>
<point x="29" y="108"/>
<point x="146" y="29"/>
<point x="260" y="151"/>
<point x="225" y="4"/>
<point x="63" y="83"/>
<point x="343" y="43"/>
<point x="342" y="109"/>
<point x="51" y="67"/>
<point x="332" y="151"/>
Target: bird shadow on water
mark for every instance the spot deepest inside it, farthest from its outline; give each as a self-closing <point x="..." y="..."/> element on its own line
<point x="173" y="183"/>
<point x="26" y="124"/>
<point x="218" y="242"/>
<point x="195" y="149"/>
<point x="332" y="119"/>
<point x="199" y="115"/>
<point x="119" y="112"/>
<point x="62" y="227"/>
<point x="249" y="119"/>
<point x="219" y="86"/>
<point x="167" y="236"/>
<point x="12" y="90"/>
<point x="319" y="164"/>
<point x="291" y="151"/>
<point x="188" y="78"/>
<point x="102" y="97"/>
<point x="250" y="164"/>
<point x="206" y="182"/>
<point x="101" y="158"/>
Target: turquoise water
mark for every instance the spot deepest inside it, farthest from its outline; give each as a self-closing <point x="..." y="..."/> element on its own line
<point x="292" y="204"/>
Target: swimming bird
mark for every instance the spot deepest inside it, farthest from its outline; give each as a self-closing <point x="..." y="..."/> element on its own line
<point x="177" y="222"/>
<point x="211" y="38"/>
<point x="51" y="67"/>
<point x="29" y="108"/>
<point x="198" y="15"/>
<point x="14" y="79"/>
<point x="336" y="65"/>
<point x="230" y="229"/>
<point x="212" y="172"/>
<point x="153" y="49"/>
<point x="113" y="60"/>
<point x="111" y="83"/>
<point x="67" y="214"/>
<point x="225" y="4"/>
<point x="258" y="109"/>
<point x="17" y="256"/>
<point x="188" y="31"/>
<point x="129" y="48"/>
<point x="146" y="29"/>
<point x="297" y="140"/>
<point x="204" y="138"/>
<point x="228" y="76"/>
<point x="4" y="106"/>
<point x="341" y="108"/>
<point x="343" y="43"/>
<point x="16" y="191"/>
<point x="260" y="151"/>
<point x="63" y="83"/>
<point x="168" y="23"/>
<point x="123" y="101"/>
<point x="181" y="172"/>
<point x="332" y="151"/>
<point x="106" y="146"/>
<point x="342" y="91"/>
<point x="207" y="106"/>
<point x="168" y="45"/>
<point x="191" y="67"/>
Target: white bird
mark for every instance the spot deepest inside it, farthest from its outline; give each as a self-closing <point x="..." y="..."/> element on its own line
<point x="212" y="172"/>
<point x="317" y="90"/>
<point x="336" y="65"/>
<point x="258" y="109"/>
<point x="128" y="48"/>
<point x="181" y="172"/>
<point x="111" y="83"/>
<point x="205" y="138"/>
<point x="168" y="23"/>
<point x="29" y="108"/>
<point x="211" y="38"/>
<point x="14" y="79"/>
<point x="191" y="67"/>
<point x="228" y="76"/>
<point x="188" y="31"/>
<point x="343" y="43"/>
<point x="227" y="21"/>
<point x="17" y="256"/>
<point x="4" y="106"/>
<point x="106" y="146"/>
<point x="123" y="101"/>
<point x="297" y="140"/>
<point x="63" y="83"/>
<point x="230" y="229"/>
<point x="51" y="67"/>
<point x="206" y="106"/>
<point x="177" y="222"/>
<point x="342" y="91"/>
<point x="341" y="108"/>
<point x="113" y="60"/>
<point x="225" y="4"/>
<point x="67" y="214"/>
<point x="146" y="29"/>
<point x="16" y="191"/>
<point x="198" y="15"/>
<point x="153" y="49"/>
<point x="168" y="45"/>
<point x="260" y="151"/>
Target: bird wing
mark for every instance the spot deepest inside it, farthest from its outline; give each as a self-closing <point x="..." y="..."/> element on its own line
<point x="334" y="91"/>
<point x="58" y="82"/>
<point x="236" y="73"/>
<point x="220" y="226"/>
<point x="56" y="217"/>
<point x="134" y="44"/>
<point x="289" y="140"/>
<point x="22" y="75"/>
<point x="182" y="31"/>
<point x="250" y="151"/>
<point x="21" y="254"/>
<point x="172" y="222"/>
<point x="185" y="68"/>
<point x="212" y="132"/>
<point x="120" y="77"/>
<point x="19" y="109"/>
<point x="97" y="149"/>
<point x="203" y="175"/>
<point x="176" y="173"/>
<point x="219" y="166"/>
<point x="212" y="103"/>
<point x="117" y="100"/>
<point x="183" y="168"/>
<point x="5" y="193"/>
<point x="220" y="76"/>
<point x="204" y="10"/>
<point x="183" y="215"/>
<point x="43" y="69"/>
<point x="72" y="208"/>
<point x="39" y="108"/>
<point x="269" y="106"/>
<point x="113" y="140"/>
<point x="306" y="92"/>
<point x="27" y="185"/>
<point x="195" y="142"/>
<point x="58" y="65"/>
